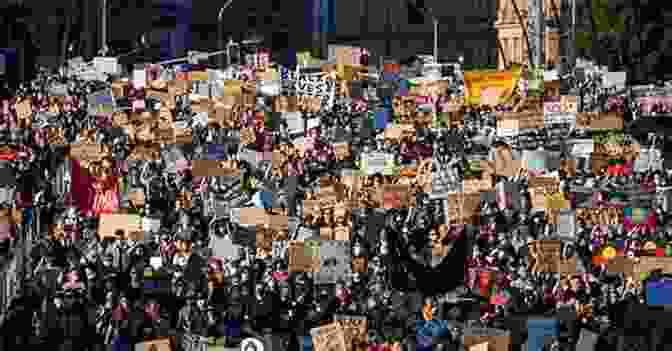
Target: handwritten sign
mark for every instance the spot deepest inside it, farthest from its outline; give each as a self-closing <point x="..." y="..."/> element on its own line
<point x="539" y="187"/>
<point x="544" y="255"/>
<point x="647" y="264"/>
<point x="328" y="337"/>
<point x="299" y="259"/>
<point x="523" y="120"/>
<point x="497" y="340"/>
<point x="119" y="226"/>
<point x="24" y="109"/>
<point x="355" y="331"/>
<point x="215" y="168"/>
<point x="136" y="198"/>
<point x="596" y="216"/>
<point x="597" y="121"/>
<point x="568" y="104"/>
<point x="87" y="152"/>
<point x="259" y="217"/>
<point x="374" y="162"/>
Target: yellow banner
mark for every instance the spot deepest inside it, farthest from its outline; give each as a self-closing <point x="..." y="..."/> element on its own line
<point x="199" y="76"/>
<point x="496" y="86"/>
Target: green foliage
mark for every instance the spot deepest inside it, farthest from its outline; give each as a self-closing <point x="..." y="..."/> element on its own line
<point x="609" y="137"/>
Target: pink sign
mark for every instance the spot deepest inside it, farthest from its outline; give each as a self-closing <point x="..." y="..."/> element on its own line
<point x="490" y="96"/>
<point x="647" y="103"/>
<point x="139" y="105"/>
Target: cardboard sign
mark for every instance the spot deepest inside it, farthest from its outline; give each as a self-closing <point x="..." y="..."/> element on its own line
<point x="539" y="187"/>
<point x="259" y="217"/>
<point x="328" y="337"/>
<point x="569" y="104"/>
<point x="393" y="134"/>
<point x="154" y="345"/>
<point x="646" y="264"/>
<point x="355" y="331"/>
<point x="595" y="216"/>
<point x="87" y="152"/>
<point x="497" y="339"/>
<point x="599" y="121"/>
<point x="522" y="120"/>
<point x="461" y="208"/>
<point x="567" y="265"/>
<point x="24" y="109"/>
<point x="136" y="198"/>
<point x="120" y="226"/>
<point x="544" y="255"/>
<point x="621" y="264"/>
<point x="479" y="347"/>
<point x="299" y="260"/>
<point x="396" y="196"/>
<point x="214" y="168"/>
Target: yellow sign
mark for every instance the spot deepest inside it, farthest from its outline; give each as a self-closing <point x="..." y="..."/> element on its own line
<point x="199" y="76"/>
<point x="501" y="83"/>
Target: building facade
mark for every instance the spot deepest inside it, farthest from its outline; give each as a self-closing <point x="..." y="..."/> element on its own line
<point x="512" y="43"/>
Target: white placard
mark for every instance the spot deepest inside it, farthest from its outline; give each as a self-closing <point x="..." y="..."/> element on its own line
<point x="313" y="123"/>
<point x="109" y="65"/>
<point x="151" y="224"/>
<point x="375" y="162"/>
<point x="156" y="262"/>
<point x="566" y="224"/>
<point x="507" y="132"/>
<point x="201" y="88"/>
<point x="561" y="117"/>
<point x="58" y="90"/>
<point x="552" y="107"/>
<point x="615" y="80"/>
<point x="648" y="158"/>
<point x="551" y="75"/>
<point x="582" y="147"/>
<point x="139" y="78"/>
<point x="294" y="121"/>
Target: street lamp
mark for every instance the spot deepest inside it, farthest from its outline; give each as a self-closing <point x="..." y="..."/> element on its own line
<point x="435" y="20"/>
<point x="220" y="34"/>
<point x="103" y="31"/>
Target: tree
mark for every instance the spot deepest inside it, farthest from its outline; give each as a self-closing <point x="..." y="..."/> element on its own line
<point x="630" y="30"/>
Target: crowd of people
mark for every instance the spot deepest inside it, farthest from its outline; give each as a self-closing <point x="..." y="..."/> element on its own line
<point x="128" y="250"/>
